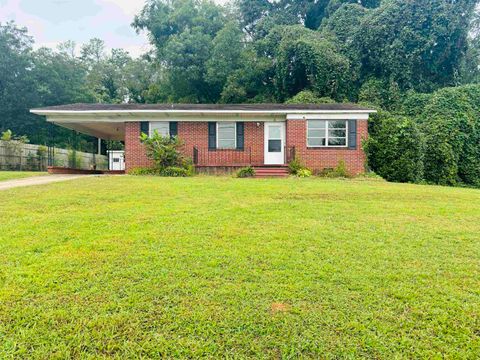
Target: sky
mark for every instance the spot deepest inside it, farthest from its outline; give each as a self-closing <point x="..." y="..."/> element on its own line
<point x="51" y="22"/>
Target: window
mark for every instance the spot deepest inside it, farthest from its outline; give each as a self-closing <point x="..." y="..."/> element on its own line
<point x="327" y="133"/>
<point x="274" y="138"/>
<point x="226" y="135"/>
<point x="162" y="127"/>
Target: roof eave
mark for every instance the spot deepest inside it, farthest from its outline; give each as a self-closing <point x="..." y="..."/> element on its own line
<point x="196" y="112"/>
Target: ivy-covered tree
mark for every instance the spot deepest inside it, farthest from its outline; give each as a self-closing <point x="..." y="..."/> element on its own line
<point x="419" y="45"/>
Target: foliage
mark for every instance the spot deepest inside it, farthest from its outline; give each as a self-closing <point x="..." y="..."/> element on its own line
<point x="164" y="151"/>
<point x="142" y="171"/>
<point x="304" y="173"/>
<point x="13" y="148"/>
<point x="175" y="171"/>
<point x="339" y="171"/>
<point x="419" y="46"/>
<point x="395" y="148"/>
<point x="246" y="172"/>
<point x="400" y="258"/>
<point x="183" y="32"/>
<point x="380" y="93"/>
<point x="74" y="161"/>
<point x="295" y="166"/>
<point x="309" y="97"/>
<point x="451" y="124"/>
<point x="306" y="60"/>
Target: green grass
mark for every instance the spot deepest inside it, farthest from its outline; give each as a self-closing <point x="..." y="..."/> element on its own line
<point x="220" y="267"/>
<point x="13" y="175"/>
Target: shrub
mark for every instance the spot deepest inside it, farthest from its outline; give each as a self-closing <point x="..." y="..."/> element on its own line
<point x="452" y="134"/>
<point x="174" y="171"/>
<point x="395" y="148"/>
<point x="304" y="173"/>
<point x="42" y="156"/>
<point x="166" y="155"/>
<point x="163" y="150"/>
<point x="246" y="172"/>
<point x="74" y="162"/>
<point x="340" y="171"/>
<point x="295" y="166"/>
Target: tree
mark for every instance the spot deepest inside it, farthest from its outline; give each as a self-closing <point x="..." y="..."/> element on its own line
<point x="226" y="56"/>
<point x="303" y="59"/>
<point x="309" y="97"/>
<point x="17" y="92"/>
<point x="418" y="45"/>
<point x="183" y="32"/>
<point x="93" y="52"/>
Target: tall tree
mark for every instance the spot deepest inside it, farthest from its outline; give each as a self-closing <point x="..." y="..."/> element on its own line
<point x="183" y="32"/>
<point x="17" y="91"/>
<point x="418" y="44"/>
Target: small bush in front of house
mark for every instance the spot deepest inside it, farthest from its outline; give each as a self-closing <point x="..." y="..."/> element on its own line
<point x="295" y="166"/>
<point x="304" y="173"/>
<point x="165" y="152"/>
<point x="246" y="172"/>
<point x="174" y="171"/>
<point x="340" y="171"/>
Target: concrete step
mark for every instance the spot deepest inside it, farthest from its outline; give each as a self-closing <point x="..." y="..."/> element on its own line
<point x="271" y="171"/>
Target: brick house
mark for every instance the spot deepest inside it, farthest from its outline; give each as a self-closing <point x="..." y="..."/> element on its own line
<point x="229" y="136"/>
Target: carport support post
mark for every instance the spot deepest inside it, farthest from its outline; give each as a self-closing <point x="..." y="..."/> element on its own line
<point x="51" y="145"/>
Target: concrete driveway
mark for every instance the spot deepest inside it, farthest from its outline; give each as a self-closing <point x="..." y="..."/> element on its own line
<point x="37" y="180"/>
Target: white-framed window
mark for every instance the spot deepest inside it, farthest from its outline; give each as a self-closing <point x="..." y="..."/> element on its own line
<point x="327" y="133"/>
<point x="162" y="127"/>
<point x="226" y="135"/>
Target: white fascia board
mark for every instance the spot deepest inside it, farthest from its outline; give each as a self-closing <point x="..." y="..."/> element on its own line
<point x="324" y="116"/>
<point x="196" y="112"/>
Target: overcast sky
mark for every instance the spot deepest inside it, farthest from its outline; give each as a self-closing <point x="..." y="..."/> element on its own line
<point x="51" y="22"/>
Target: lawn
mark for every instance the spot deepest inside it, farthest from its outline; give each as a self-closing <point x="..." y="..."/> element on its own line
<point x="12" y="175"/>
<point x="220" y="267"/>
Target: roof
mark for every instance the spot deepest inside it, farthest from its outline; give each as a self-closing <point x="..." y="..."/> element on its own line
<point x="341" y="107"/>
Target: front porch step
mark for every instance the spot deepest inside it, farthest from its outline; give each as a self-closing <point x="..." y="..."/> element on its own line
<point x="271" y="171"/>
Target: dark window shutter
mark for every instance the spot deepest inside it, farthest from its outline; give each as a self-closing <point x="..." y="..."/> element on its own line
<point x="144" y="127"/>
<point x="212" y="135"/>
<point x="173" y="128"/>
<point x="352" y="134"/>
<point x="240" y="135"/>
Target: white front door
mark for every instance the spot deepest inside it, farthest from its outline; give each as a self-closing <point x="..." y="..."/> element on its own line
<point x="274" y="143"/>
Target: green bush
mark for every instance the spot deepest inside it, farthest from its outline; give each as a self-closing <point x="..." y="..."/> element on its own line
<point x="174" y="171"/>
<point x="170" y="171"/>
<point x="295" y="166"/>
<point x="340" y="171"/>
<point x="304" y="173"/>
<point x="167" y="156"/>
<point x="451" y="123"/>
<point x="395" y="148"/>
<point x="143" y="171"/>
<point x="164" y="150"/>
<point x="74" y="161"/>
<point x="246" y="172"/>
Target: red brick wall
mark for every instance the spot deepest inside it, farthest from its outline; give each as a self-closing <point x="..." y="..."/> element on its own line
<point x="134" y="150"/>
<point x="318" y="159"/>
<point x="196" y="134"/>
